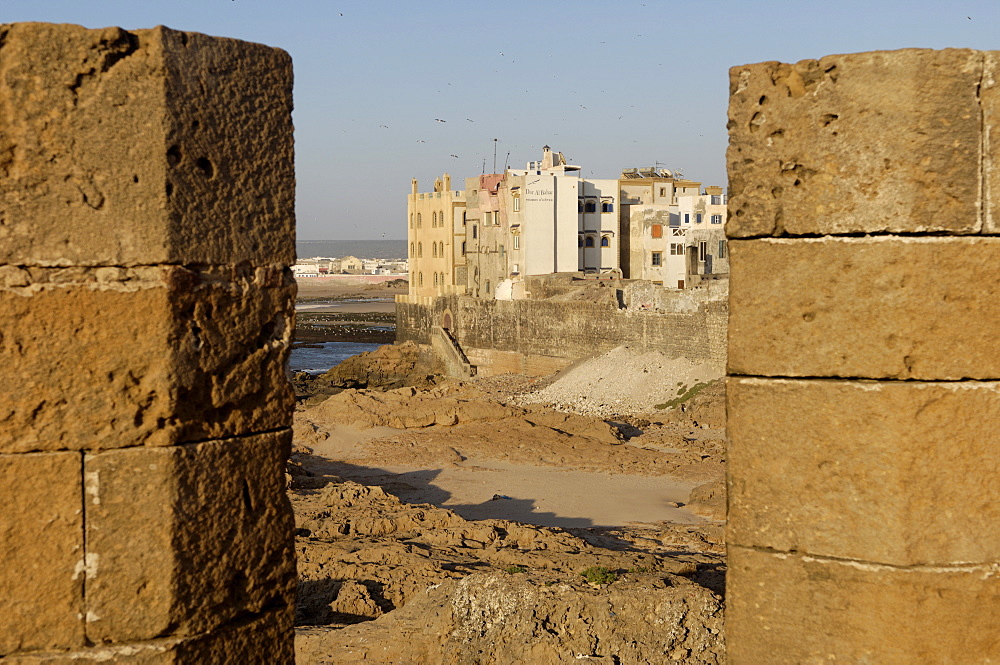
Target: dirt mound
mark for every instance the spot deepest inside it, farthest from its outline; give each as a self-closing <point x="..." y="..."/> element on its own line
<point x="452" y="591"/>
<point x="625" y="382"/>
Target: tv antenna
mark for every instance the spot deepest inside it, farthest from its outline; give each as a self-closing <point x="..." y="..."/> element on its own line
<point x="495" y="155"/>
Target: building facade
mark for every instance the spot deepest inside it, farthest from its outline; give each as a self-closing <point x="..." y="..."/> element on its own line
<point x="648" y="224"/>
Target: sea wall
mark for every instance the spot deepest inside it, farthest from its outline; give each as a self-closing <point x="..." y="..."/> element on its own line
<point x="863" y="363"/>
<point x="146" y="309"/>
<point x="541" y="336"/>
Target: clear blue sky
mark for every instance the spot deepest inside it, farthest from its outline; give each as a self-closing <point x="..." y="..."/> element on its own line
<point x="610" y="84"/>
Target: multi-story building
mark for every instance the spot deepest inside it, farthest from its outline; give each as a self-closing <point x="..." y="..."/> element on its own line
<point x="673" y="234"/>
<point x="435" y="234"/>
<point x="648" y="224"/>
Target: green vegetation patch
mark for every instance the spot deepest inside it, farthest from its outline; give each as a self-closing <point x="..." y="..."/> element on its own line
<point x="514" y="570"/>
<point x="684" y="394"/>
<point x="599" y="575"/>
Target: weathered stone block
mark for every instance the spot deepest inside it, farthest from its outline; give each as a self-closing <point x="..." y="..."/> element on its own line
<point x="144" y="147"/>
<point x="263" y="640"/>
<point x="782" y="608"/>
<point x="187" y="538"/>
<point x="880" y="307"/>
<point x="990" y="96"/>
<point x="111" y="357"/>
<point x="41" y="550"/>
<point x="867" y="142"/>
<point x="902" y="473"/>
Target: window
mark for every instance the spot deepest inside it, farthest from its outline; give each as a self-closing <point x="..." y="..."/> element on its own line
<point x="579" y="241"/>
<point x="487" y="218"/>
<point x="605" y="241"/>
<point x="441" y="218"/>
<point x="435" y="279"/>
<point x="517" y="242"/>
<point x="716" y="199"/>
<point x="589" y="242"/>
<point x="657" y="230"/>
<point x="463" y="218"/>
<point x="677" y="233"/>
<point x="657" y="259"/>
<point x="488" y="292"/>
<point x="687" y="218"/>
<point x="702" y="250"/>
<point x="722" y="249"/>
<point x="475" y="232"/>
<point x="420" y="250"/>
<point x="442" y="279"/>
<point x="411" y="249"/>
<point x="434" y="223"/>
<point x="716" y="219"/>
<point x="419" y="220"/>
<point x="697" y="218"/>
<point x="516" y="269"/>
<point x="663" y="191"/>
<point x="434" y="253"/>
<point x="579" y="206"/>
<point x="463" y="249"/>
<point x="607" y="206"/>
<point x="676" y="249"/>
<point x="517" y="204"/>
<point x="420" y="280"/>
<point x="411" y="220"/>
<point x="590" y="205"/>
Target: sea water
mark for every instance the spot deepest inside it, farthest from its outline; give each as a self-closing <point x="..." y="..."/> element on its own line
<point x="325" y="355"/>
<point x="362" y="249"/>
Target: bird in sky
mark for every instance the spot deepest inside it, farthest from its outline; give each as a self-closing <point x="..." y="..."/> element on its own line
<point x="470" y="119"/>
<point x="455" y="156"/>
<point x="439" y="120"/>
<point x="421" y="141"/>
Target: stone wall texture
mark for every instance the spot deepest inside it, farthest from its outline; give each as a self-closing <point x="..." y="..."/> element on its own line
<point x="863" y="389"/>
<point x="146" y="229"/>
<point x="542" y="336"/>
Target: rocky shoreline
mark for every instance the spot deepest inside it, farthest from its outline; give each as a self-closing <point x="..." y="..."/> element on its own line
<point x="391" y="571"/>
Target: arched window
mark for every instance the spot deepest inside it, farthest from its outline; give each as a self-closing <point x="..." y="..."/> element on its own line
<point x="579" y="206"/>
<point x="435" y="279"/>
<point x="579" y="241"/>
<point x="488" y="292"/>
<point x="434" y="251"/>
<point x="434" y="219"/>
<point x="420" y="250"/>
<point x="442" y="279"/>
<point x="411" y="220"/>
<point x="420" y="279"/>
<point x="590" y="206"/>
<point x="441" y="217"/>
<point x="419" y="220"/>
<point x="607" y="206"/>
<point x="411" y="249"/>
<point x="589" y="242"/>
<point x="605" y="241"/>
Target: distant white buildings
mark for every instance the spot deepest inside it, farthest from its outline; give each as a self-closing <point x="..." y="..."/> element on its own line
<point x="648" y="224"/>
<point x="349" y="265"/>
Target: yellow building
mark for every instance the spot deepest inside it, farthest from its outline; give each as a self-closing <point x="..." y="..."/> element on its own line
<point x="435" y="239"/>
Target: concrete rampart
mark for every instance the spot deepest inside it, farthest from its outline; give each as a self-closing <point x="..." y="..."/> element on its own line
<point x="146" y="229"/>
<point x="541" y="336"/>
<point x="863" y="360"/>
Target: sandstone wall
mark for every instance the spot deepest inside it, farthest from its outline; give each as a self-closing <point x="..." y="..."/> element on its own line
<point x="863" y="393"/>
<point x="540" y="336"/>
<point x="146" y="228"/>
